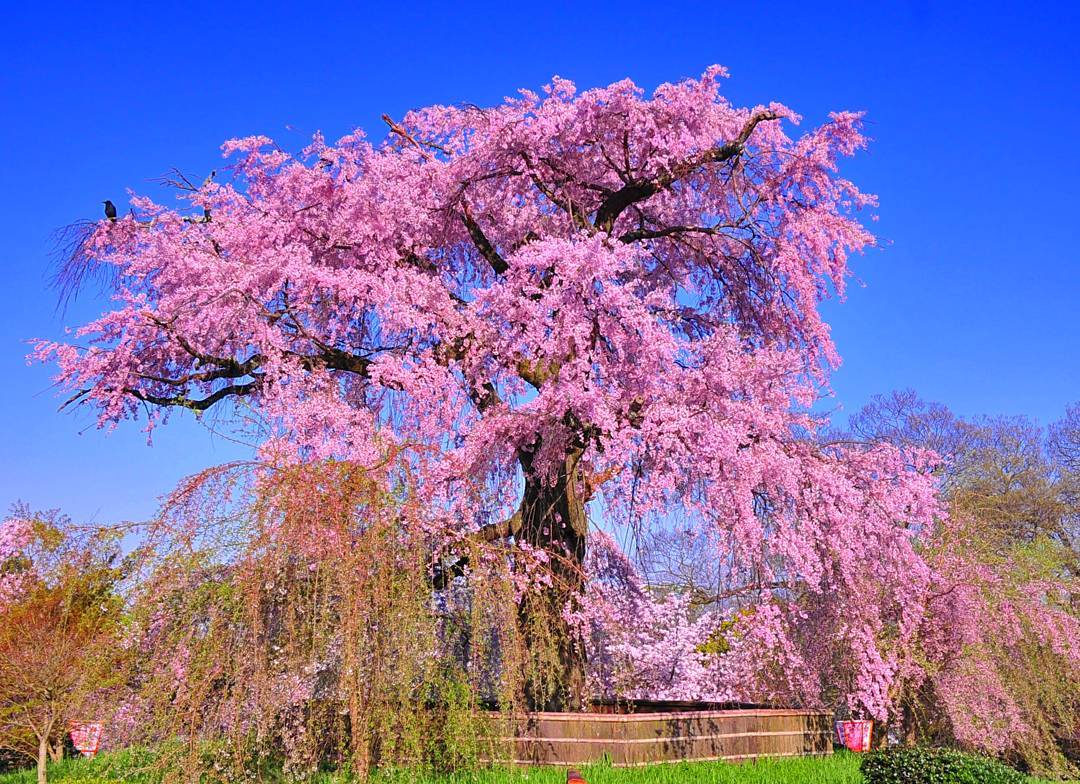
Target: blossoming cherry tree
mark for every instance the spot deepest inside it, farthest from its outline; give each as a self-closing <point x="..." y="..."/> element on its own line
<point x="571" y="297"/>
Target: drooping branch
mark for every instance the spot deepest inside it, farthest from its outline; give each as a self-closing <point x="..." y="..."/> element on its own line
<point x="200" y="356"/>
<point x="329" y="358"/>
<point x="227" y="369"/>
<point x="639" y="190"/>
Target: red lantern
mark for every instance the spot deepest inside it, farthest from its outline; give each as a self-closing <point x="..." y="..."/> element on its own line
<point x="855" y="735"/>
<point x="86" y="737"/>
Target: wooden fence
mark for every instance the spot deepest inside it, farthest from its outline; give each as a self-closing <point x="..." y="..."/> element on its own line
<point x="643" y="738"/>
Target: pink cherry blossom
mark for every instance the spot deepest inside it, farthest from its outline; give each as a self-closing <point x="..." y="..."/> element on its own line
<point x="600" y="302"/>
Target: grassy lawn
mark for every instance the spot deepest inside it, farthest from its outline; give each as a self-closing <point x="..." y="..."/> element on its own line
<point x="836" y="769"/>
<point x="840" y="768"/>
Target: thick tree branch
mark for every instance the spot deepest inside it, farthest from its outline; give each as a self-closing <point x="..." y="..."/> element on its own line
<point x="482" y="243"/>
<point x="201" y="404"/>
<point x="480" y="240"/>
<point x="639" y="190"/>
<point x="336" y="359"/>
<point x="537" y="372"/>
<point x="504" y="529"/>
<point x="653" y="234"/>
<point x="231" y="369"/>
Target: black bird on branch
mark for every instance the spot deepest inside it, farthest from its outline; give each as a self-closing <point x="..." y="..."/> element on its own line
<point x="209" y="179"/>
<point x="110" y="210"/>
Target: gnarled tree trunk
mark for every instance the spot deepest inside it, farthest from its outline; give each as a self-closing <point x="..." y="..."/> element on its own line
<point x="553" y="520"/>
<point x="550" y="519"/>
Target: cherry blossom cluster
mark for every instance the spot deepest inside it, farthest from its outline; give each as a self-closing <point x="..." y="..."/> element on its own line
<point x="16" y="535"/>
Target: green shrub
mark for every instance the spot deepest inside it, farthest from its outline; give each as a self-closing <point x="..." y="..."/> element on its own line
<point x="935" y="766"/>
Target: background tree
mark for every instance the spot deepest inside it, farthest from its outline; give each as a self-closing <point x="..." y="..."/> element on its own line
<point x="563" y="298"/>
<point x="1000" y="645"/>
<point x="58" y="630"/>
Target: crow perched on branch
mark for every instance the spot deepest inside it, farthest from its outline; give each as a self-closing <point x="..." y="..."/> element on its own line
<point x="209" y="179"/>
<point x="110" y="210"/>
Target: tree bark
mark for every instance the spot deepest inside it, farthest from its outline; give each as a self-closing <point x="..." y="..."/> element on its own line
<point x="553" y="520"/>
<point x="910" y="726"/>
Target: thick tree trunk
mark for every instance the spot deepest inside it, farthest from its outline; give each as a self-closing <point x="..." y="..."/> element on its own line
<point x="553" y="520"/>
<point x="42" y="758"/>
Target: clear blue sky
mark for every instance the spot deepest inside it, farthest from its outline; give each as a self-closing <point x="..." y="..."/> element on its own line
<point x="975" y="114"/>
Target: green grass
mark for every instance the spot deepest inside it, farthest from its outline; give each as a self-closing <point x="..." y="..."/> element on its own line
<point x="131" y="766"/>
<point x="838" y="769"/>
<point x="126" y="765"/>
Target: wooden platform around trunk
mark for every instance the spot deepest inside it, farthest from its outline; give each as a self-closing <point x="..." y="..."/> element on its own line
<point x="644" y="738"/>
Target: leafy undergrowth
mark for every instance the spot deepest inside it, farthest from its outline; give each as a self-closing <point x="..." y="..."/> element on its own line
<point x="134" y="766"/>
<point x="921" y="765"/>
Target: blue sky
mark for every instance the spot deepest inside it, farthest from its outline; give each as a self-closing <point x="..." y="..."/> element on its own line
<point x="975" y="110"/>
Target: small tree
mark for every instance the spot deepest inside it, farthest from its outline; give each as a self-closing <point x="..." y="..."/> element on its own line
<point x="58" y="617"/>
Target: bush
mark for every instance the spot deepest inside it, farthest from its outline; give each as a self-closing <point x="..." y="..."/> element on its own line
<point x="935" y="766"/>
